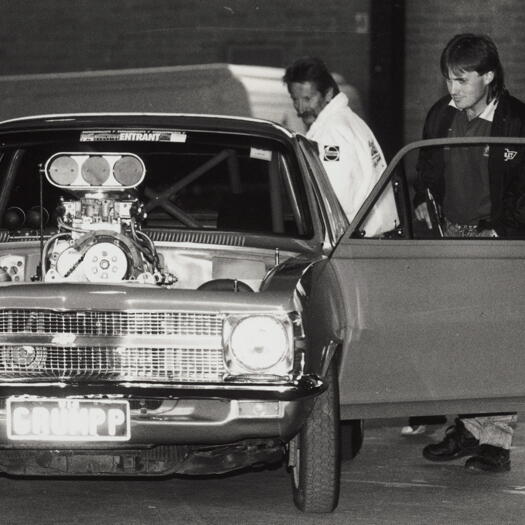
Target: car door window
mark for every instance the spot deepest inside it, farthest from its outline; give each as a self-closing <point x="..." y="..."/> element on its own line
<point x="452" y="211"/>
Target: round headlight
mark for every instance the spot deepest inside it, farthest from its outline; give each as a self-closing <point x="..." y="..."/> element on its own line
<point x="259" y="342"/>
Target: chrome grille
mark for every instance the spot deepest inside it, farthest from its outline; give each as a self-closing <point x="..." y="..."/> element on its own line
<point x="123" y="346"/>
<point x="109" y="323"/>
<point x="124" y="364"/>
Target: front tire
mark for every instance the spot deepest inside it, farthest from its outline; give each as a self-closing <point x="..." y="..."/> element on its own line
<point x="315" y="461"/>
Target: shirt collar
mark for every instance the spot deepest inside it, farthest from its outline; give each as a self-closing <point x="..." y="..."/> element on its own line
<point x="486" y="114"/>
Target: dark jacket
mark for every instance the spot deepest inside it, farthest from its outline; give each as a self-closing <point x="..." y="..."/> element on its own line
<point x="506" y="174"/>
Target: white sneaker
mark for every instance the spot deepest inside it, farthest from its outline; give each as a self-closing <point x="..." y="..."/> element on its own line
<point x="413" y="431"/>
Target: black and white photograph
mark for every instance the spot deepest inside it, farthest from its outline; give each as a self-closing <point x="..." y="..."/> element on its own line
<point x="261" y="262"/>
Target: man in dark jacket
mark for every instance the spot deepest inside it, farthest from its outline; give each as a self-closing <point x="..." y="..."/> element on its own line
<point x="490" y="197"/>
<point x="479" y="192"/>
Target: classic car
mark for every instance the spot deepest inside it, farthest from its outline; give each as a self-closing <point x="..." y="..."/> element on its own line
<point x="182" y="294"/>
<point x="152" y="319"/>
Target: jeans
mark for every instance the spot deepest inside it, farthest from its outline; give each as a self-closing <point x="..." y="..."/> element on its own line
<point x="492" y="430"/>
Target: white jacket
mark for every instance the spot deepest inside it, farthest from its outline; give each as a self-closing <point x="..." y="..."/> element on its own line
<point x="354" y="162"/>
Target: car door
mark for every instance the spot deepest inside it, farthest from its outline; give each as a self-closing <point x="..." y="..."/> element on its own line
<point x="431" y="325"/>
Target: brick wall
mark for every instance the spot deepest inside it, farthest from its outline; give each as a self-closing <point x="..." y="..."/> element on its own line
<point x="429" y="26"/>
<point x="81" y="35"/>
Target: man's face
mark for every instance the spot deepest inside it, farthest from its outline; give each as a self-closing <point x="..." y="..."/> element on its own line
<point x="469" y="89"/>
<point x="308" y="100"/>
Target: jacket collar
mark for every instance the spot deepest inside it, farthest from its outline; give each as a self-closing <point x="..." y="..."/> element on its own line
<point x="335" y="105"/>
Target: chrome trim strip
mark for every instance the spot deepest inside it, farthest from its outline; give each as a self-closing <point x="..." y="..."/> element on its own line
<point x="130" y="341"/>
<point x="303" y="387"/>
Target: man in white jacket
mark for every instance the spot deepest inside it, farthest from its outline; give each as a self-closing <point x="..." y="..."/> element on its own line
<point x="347" y="147"/>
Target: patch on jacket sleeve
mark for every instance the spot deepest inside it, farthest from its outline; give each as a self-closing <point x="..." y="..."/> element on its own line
<point x="374" y="153"/>
<point x="331" y="153"/>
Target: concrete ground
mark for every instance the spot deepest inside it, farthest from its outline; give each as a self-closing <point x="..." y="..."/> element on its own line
<point x="388" y="483"/>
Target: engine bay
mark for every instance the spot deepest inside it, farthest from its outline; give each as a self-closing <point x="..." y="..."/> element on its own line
<point x="189" y="267"/>
<point x="100" y="239"/>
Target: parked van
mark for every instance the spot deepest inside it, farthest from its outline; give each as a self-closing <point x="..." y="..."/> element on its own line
<point x="205" y="88"/>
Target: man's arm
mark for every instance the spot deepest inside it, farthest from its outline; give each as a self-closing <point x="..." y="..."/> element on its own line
<point x="428" y="182"/>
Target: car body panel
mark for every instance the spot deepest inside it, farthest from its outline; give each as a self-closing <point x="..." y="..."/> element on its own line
<point x="433" y="325"/>
<point x="437" y="321"/>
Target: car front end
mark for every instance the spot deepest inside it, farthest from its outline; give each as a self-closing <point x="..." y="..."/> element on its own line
<point x="146" y="367"/>
<point x="145" y="324"/>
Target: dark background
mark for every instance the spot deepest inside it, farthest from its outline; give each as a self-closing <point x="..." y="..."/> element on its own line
<point x="387" y="49"/>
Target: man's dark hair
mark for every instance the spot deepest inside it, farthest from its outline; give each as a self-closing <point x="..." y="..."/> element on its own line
<point x="311" y="69"/>
<point x="469" y="52"/>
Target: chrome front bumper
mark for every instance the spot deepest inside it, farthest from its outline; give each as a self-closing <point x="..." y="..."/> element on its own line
<point x="187" y="414"/>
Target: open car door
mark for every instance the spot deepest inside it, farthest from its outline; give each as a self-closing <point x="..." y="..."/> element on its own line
<point x="432" y="324"/>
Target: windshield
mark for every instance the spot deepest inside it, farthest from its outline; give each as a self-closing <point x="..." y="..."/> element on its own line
<point x="168" y="179"/>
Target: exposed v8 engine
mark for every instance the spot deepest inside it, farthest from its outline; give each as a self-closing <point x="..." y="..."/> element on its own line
<point x="99" y="237"/>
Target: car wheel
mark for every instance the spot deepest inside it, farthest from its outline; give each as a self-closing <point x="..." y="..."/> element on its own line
<point x="352" y="434"/>
<point x="315" y="455"/>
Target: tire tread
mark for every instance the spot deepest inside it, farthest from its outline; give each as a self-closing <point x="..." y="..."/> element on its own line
<point x="318" y="490"/>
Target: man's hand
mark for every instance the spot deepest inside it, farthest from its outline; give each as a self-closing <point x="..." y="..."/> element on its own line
<point x="422" y="214"/>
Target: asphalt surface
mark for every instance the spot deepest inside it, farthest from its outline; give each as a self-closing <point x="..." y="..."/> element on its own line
<point x="388" y="483"/>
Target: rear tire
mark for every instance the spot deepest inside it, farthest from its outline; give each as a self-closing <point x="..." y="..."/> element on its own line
<point x="315" y="465"/>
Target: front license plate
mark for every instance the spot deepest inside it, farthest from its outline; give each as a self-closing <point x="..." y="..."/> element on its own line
<point x="55" y="419"/>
